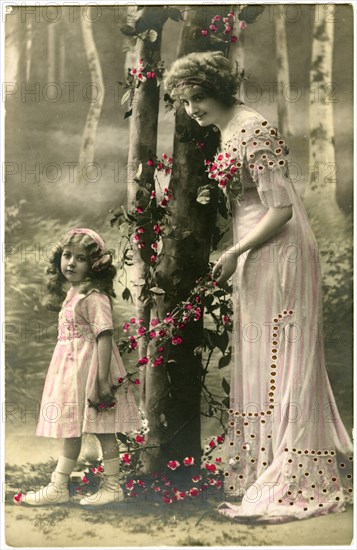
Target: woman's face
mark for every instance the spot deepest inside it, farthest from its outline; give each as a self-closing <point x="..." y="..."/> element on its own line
<point x="198" y="105"/>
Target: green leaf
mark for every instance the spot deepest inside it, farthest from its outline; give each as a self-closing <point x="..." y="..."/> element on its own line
<point x="152" y="35"/>
<point x="249" y="14"/>
<point x="224" y="361"/>
<point x="174" y="14"/>
<point x="203" y="195"/>
<point x="126" y="96"/>
<point x="126" y="294"/>
<point x="127" y="30"/>
<point x="157" y="290"/>
<point x="122" y="437"/>
<point x="226" y="386"/>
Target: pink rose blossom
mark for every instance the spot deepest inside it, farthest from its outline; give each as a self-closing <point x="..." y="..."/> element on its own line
<point x="176" y="340"/>
<point x="194" y="492"/>
<point x="143" y="361"/>
<point x="155" y="322"/>
<point x="153" y="258"/>
<point x="242" y="25"/>
<point x="234" y="39"/>
<point x="126" y="327"/>
<point x="152" y="334"/>
<point x="188" y="461"/>
<point x="210" y="467"/>
<point x="126" y="458"/>
<point x="196" y="479"/>
<point x="120" y="380"/>
<point x="136" y="381"/>
<point x="150" y="162"/>
<point x="139" y="439"/>
<point x="220" y="439"/>
<point x="173" y="464"/>
<point x="204" y="32"/>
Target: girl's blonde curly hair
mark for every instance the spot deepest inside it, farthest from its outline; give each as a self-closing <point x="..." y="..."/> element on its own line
<point x="210" y="70"/>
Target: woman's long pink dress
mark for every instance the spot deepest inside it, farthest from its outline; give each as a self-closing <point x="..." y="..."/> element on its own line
<point x="289" y="454"/>
<point x="72" y="374"/>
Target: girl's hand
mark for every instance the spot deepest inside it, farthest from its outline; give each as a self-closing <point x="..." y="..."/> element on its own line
<point x="225" y="267"/>
<point x="105" y="394"/>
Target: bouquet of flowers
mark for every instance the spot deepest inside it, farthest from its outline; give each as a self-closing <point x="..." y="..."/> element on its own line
<point x="225" y="170"/>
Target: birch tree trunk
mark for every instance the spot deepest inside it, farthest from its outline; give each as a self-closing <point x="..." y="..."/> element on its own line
<point x="51" y="52"/>
<point x="173" y="391"/>
<point x="15" y="49"/>
<point x="86" y="167"/>
<point x="283" y="79"/>
<point x="28" y="48"/>
<point x="323" y="166"/>
<point x="142" y="147"/>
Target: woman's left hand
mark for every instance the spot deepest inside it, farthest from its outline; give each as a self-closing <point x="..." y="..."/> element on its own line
<point x="225" y="267"/>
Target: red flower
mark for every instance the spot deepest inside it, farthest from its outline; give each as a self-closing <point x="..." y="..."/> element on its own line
<point x="141" y="331"/>
<point x="120" y="380"/>
<point x="216" y="18"/>
<point x="234" y="39"/>
<point x="204" y="32"/>
<point x="85" y="479"/>
<point x="153" y="258"/>
<point x="126" y="458"/>
<point x="155" y="322"/>
<point x="188" y="461"/>
<point x="176" y="340"/>
<point x="18" y="498"/>
<point x="196" y="479"/>
<point x="218" y="460"/>
<point x="167" y="500"/>
<point x="153" y="195"/>
<point x="152" y="334"/>
<point x="220" y="439"/>
<point x="213" y="28"/>
<point x="160" y="165"/>
<point x="126" y="327"/>
<point x="154" y="246"/>
<point x="163" y="202"/>
<point x="218" y="484"/>
<point x="173" y="464"/>
<point x="160" y="349"/>
<point x="162" y="333"/>
<point x="226" y="320"/>
<point x="194" y="492"/>
<point x="140" y="439"/>
<point x="143" y="361"/>
<point x="150" y="162"/>
<point x="132" y="320"/>
<point x="158" y="361"/>
<point x="140" y="230"/>
<point x="139" y="210"/>
<point x="100" y="469"/>
<point x="242" y="25"/>
<point x="134" y="345"/>
<point x="212" y="444"/>
<point x="157" y="489"/>
<point x="210" y="467"/>
<point x="136" y="381"/>
<point x="157" y="229"/>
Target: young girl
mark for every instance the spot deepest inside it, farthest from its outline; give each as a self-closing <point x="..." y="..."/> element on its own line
<point x="84" y="366"/>
<point x="289" y="454"/>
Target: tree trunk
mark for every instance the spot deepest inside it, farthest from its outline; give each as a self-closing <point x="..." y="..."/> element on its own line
<point x="28" y="49"/>
<point x="15" y="49"/>
<point x="51" y="52"/>
<point x="323" y="167"/>
<point x="173" y="391"/>
<point x="282" y="63"/>
<point x="86" y="167"/>
<point x="142" y="147"/>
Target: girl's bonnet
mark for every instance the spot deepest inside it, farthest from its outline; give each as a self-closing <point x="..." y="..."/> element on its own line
<point x="103" y="257"/>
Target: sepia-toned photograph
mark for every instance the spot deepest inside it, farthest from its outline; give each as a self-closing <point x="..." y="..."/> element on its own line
<point x="177" y="328"/>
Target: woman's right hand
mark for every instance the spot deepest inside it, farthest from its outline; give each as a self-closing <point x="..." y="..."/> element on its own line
<point x="225" y="267"/>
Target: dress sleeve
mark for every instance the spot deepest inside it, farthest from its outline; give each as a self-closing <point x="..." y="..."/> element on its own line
<point x="264" y="157"/>
<point x="98" y="312"/>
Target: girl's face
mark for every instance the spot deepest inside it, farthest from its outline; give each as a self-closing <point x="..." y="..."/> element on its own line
<point x="204" y="109"/>
<point x="74" y="264"/>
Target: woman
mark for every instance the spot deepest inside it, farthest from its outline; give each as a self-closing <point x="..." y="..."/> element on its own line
<point x="289" y="455"/>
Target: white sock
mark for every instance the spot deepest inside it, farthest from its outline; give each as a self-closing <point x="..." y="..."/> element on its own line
<point x="63" y="469"/>
<point x="111" y="467"/>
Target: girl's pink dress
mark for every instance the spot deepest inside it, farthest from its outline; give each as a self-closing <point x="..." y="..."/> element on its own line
<point x="289" y="455"/>
<point x="72" y="374"/>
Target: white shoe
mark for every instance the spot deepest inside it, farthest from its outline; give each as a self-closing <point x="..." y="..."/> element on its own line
<point x="109" y="492"/>
<point x="53" y="493"/>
